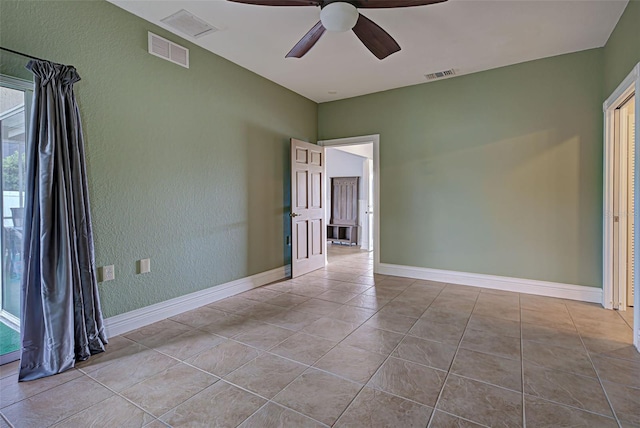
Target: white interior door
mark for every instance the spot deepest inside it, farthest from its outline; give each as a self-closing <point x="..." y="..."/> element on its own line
<point x="623" y="206"/>
<point x="628" y="110"/>
<point x="623" y="225"/>
<point x="308" y="224"/>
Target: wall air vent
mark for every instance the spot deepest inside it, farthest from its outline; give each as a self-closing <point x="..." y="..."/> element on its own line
<point x="440" y="74"/>
<point x="189" y="24"/>
<point x="168" y="50"/>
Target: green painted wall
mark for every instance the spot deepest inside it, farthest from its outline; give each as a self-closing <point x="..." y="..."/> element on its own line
<point x="185" y="166"/>
<point x="622" y="51"/>
<point x="498" y="172"/>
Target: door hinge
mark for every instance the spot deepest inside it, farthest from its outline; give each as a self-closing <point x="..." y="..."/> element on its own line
<point x="616" y="219"/>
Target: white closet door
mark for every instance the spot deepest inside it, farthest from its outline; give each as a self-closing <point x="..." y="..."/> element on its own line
<point x="629" y="110"/>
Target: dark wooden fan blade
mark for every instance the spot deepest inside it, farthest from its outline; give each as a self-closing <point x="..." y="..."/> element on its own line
<point x="383" y="4"/>
<point x="280" y="2"/>
<point x="378" y="41"/>
<point x="307" y="42"/>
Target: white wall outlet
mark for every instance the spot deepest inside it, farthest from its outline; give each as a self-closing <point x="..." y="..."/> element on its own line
<point x="144" y="266"/>
<point x="108" y="273"/>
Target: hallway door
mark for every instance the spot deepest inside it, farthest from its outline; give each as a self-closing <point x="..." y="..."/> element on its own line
<point x="308" y="224"/>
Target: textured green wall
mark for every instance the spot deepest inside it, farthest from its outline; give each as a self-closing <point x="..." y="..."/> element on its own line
<point x="186" y="166"/>
<point x="622" y="51"/>
<point x="498" y="172"/>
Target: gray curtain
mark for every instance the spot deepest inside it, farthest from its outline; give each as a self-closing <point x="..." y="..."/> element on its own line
<point x="61" y="316"/>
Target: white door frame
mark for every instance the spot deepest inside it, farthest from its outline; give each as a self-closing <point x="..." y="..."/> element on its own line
<point x="352" y="141"/>
<point x="629" y="86"/>
<point x="367" y="233"/>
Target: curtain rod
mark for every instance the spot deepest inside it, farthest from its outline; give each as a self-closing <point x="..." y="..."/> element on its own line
<point x="21" y="54"/>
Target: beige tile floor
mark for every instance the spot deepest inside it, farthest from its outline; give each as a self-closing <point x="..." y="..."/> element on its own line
<point x="343" y="347"/>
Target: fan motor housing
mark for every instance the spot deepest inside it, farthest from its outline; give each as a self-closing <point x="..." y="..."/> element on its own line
<point x="339" y="16"/>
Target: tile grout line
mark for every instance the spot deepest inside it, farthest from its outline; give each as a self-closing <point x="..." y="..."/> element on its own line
<point x="219" y="378"/>
<point x="360" y="324"/>
<point x="178" y="361"/>
<point x="424" y="365"/>
<point x="387" y="357"/>
<point x="560" y="404"/>
<point x="267" y="401"/>
<point x="6" y="418"/>
<point x="192" y="328"/>
<point x="318" y="359"/>
<point x="262" y="352"/>
<point x="312" y="366"/>
<point x="365" y="385"/>
<point x="624" y="319"/>
<point x="284" y="407"/>
<point x="119" y="394"/>
<point x="83" y="372"/>
<point x="464" y="419"/>
<point x="593" y="366"/>
<point x="580" y="375"/>
<point x="2" y="416"/>
<point x="116" y="394"/>
<point x="307" y="367"/>
<point x="446" y="378"/>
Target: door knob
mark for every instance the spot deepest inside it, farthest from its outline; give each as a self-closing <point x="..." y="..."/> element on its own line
<point x="294" y="215"/>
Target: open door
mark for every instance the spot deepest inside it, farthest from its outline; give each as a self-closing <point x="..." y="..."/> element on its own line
<point x="308" y="224"/>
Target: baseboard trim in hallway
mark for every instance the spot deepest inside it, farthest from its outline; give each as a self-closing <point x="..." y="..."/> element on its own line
<point x="518" y="285"/>
<point x="123" y="323"/>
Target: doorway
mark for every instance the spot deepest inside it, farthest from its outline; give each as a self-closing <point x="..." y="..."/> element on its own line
<point x="621" y="196"/>
<point x="367" y="149"/>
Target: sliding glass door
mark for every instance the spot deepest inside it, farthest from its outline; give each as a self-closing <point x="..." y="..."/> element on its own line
<point x="15" y="98"/>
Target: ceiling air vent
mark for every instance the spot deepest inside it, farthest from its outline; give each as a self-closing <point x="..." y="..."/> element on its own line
<point x="168" y="50"/>
<point x="189" y="24"/>
<point x="440" y="74"/>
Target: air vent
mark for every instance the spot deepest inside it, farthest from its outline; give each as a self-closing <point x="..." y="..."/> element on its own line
<point x="440" y="74"/>
<point x="189" y="24"/>
<point x="168" y="50"/>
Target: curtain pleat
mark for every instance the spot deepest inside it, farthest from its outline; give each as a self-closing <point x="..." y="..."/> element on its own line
<point x="61" y="318"/>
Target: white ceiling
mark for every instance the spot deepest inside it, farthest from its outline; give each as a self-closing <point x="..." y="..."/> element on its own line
<point x="466" y="35"/>
<point x="362" y="150"/>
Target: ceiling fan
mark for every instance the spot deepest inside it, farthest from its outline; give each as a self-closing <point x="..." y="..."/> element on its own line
<point x="340" y="16"/>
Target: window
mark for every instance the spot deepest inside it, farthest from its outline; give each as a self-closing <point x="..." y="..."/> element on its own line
<point x="15" y="101"/>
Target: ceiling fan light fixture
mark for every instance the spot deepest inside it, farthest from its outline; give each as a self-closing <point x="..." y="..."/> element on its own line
<point x="339" y="16"/>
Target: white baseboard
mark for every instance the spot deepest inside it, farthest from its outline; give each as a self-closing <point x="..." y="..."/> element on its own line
<point x="518" y="285"/>
<point x="123" y="323"/>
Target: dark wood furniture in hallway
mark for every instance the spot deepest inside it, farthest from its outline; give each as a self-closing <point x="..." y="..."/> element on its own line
<point x="343" y="227"/>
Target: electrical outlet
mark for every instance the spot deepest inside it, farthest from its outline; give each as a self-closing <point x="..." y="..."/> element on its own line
<point x="108" y="273"/>
<point x="144" y="266"/>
